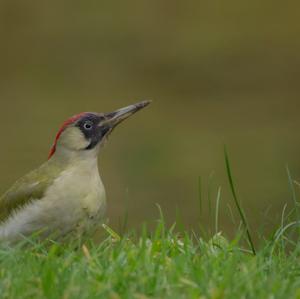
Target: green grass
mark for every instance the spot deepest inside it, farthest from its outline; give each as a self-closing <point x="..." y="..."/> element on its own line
<point x="163" y="265"/>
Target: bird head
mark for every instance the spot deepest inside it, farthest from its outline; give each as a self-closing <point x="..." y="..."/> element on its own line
<point x="87" y="131"/>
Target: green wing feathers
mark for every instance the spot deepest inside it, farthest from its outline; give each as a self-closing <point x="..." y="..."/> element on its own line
<point x="30" y="187"/>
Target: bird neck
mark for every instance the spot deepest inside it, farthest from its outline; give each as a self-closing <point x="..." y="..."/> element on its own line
<point x="84" y="158"/>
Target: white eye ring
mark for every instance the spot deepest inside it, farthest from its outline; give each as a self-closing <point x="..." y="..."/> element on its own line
<point x="88" y="125"/>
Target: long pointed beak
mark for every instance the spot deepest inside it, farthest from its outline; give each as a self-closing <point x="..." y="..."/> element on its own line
<point x="114" y="118"/>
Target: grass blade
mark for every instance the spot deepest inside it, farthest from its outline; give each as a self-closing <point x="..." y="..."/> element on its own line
<point x="291" y="183"/>
<point x="217" y="210"/>
<point x="236" y="201"/>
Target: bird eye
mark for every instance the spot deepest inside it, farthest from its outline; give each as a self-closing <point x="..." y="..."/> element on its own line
<point x="88" y="125"/>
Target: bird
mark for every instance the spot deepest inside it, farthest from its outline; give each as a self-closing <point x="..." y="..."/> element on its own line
<point x="64" y="198"/>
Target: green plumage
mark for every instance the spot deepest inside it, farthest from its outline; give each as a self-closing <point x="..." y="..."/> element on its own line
<point x="28" y="188"/>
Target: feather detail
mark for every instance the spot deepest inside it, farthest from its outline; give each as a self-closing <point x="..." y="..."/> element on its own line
<point x="68" y="122"/>
<point x="29" y="188"/>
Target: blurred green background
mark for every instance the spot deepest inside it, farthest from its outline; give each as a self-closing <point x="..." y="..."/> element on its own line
<point x="219" y="72"/>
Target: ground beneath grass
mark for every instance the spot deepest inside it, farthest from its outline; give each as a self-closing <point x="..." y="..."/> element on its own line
<point x="164" y="265"/>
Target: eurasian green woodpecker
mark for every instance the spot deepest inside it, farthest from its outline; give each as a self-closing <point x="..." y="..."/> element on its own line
<point x="65" y="195"/>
